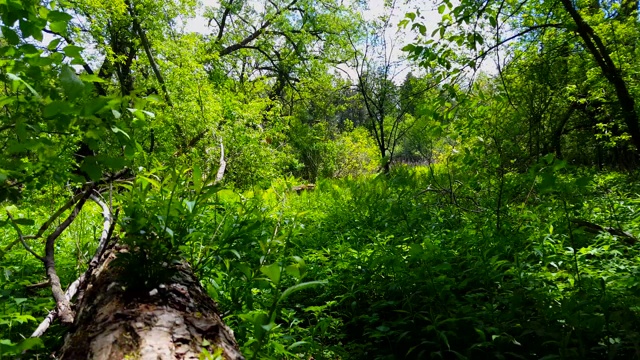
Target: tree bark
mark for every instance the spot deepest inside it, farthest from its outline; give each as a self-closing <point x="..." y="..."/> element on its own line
<point x="175" y="320"/>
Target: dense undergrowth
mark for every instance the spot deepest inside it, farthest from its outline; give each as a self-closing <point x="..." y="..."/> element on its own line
<point x="388" y="266"/>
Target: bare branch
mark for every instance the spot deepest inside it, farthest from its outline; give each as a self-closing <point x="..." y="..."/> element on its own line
<point x="223" y="21"/>
<point x="223" y="164"/>
<point x="108" y="219"/>
<point x="63" y="307"/>
<point x="55" y="215"/>
<point x="254" y="35"/>
<point x="79" y="282"/>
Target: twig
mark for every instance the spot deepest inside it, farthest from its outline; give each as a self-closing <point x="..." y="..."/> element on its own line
<point x="21" y="237"/>
<point x="39" y="285"/>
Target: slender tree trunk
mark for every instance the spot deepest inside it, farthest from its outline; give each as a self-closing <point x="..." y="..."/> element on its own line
<point x="600" y="52"/>
<point x="176" y="320"/>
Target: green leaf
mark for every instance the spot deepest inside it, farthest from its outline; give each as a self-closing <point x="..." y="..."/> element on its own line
<point x="441" y="9"/>
<point x="11" y="36"/>
<point x="583" y="181"/>
<point x="137" y="113"/>
<point x="59" y="27"/>
<point x="298" y="287"/>
<point x="92" y="78"/>
<point x="19" y="300"/>
<point x="258" y="322"/>
<point x="56" y="107"/>
<point x="71" y="83"/>
<point x="272" y="272"/>
<point x="129" y="151"/>
<point x="155" y="183"/>
<point x="28" y="344"/>
<point x="117" y="130"/>
<point x="73" y="51"/>
<point x="17" y="78"/>
<point x="25" y="222"/>
<point x="55" y="15"/>
<point x="191" y="204"/>
<point x="53" y="44"/>
<point x="197" y="178"/>
<point x="91" y="168"/>
<point x="28" y="28"/>
<point x="293" y="270"/>
<point x="296" y="344"/>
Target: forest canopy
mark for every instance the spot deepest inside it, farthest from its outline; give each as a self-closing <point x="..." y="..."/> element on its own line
<point x="319" y="179"/>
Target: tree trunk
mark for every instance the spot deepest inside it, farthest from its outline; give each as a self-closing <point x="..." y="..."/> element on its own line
<point x="600" y="52"/>
<point x="176" y="320"/>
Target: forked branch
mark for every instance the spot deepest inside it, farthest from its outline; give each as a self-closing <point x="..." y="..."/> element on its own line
<point x="107" y="230"/>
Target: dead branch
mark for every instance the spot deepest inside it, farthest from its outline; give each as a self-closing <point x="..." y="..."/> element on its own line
<point x="186" y="146"/>
<point x="106" y="228"/>
<point x="39" y="285"/>
<point x="55" y="215"/>
<point x="71" y="291"/>
<point x="69" y="294"/>
<point x="63" y="306"/>
<point x="304" y="187"/>
<point x="223" y="165"/>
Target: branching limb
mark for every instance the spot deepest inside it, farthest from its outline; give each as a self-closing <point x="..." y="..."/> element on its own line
<point x="55" y="215"/>
<point x="63" y="306"/>
<point x="256" y="34"/>
<point x="69" y="294"/>
<point x="73" y="288"/>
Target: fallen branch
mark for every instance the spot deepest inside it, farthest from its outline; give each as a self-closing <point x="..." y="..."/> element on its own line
<point x="39" y="285"/>
<point x="304" y="187"/>
<point x="69" y="294"/>
<point x="596" y="229"/>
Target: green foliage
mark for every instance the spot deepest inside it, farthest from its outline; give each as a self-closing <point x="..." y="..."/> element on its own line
<point x="326" y="155"/>
<point x="513" y="238"/>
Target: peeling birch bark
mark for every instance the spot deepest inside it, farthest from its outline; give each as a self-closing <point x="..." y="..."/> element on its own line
<point x="176" y="320"/>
